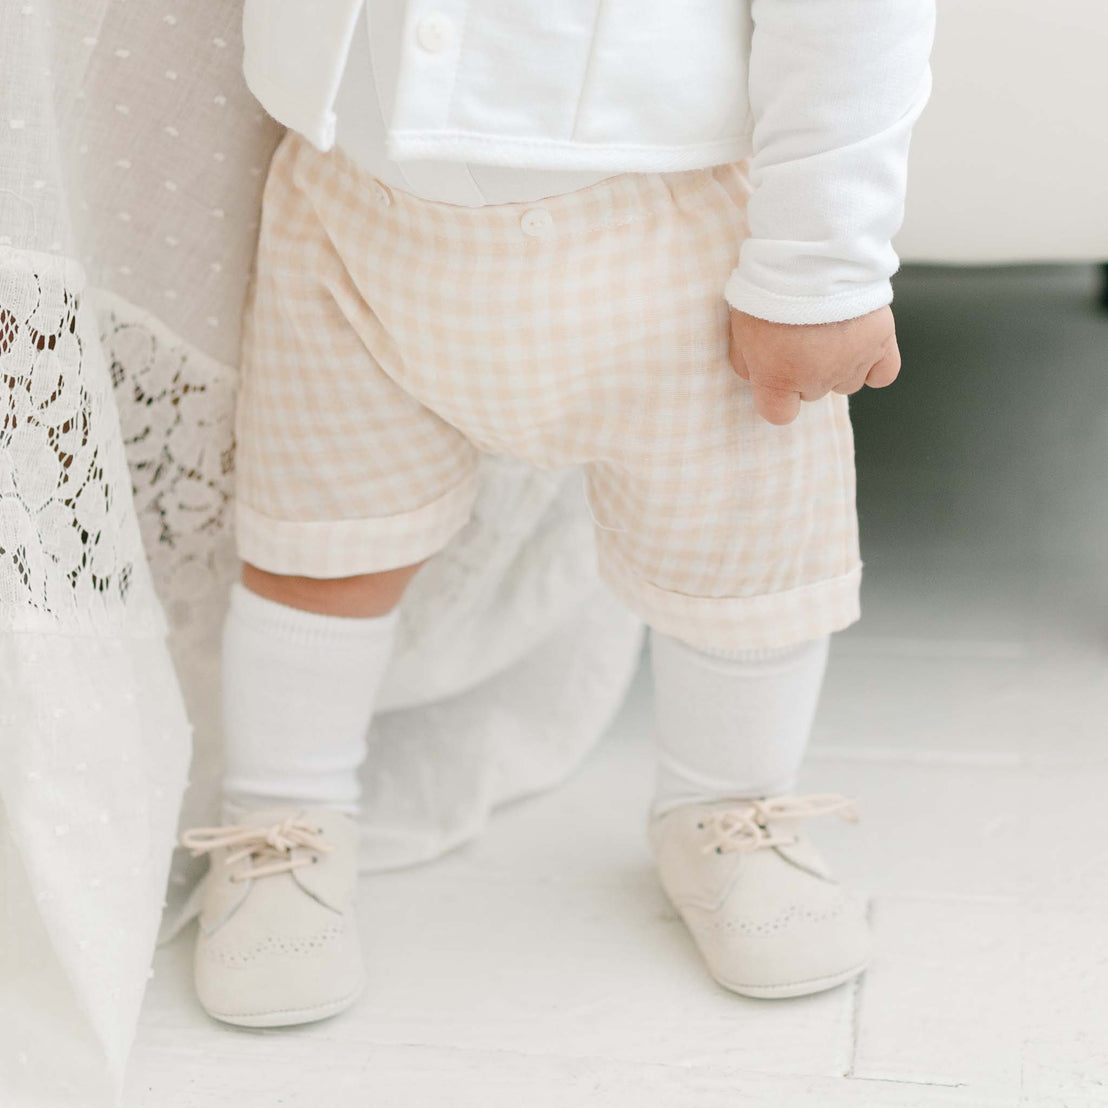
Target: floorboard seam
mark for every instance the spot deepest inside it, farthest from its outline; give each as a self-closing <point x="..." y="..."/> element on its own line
<point x="855" y="1002"/>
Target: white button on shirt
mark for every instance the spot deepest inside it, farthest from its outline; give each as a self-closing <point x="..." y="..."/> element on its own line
<point x="363" y="104"/>
<point x="433" y="32"/>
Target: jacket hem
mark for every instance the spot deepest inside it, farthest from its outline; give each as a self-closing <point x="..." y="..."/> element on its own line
<point x="285" y="107"/>
<point x="532" y="153"/>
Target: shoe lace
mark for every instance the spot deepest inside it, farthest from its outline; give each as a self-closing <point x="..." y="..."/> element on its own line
<point x="744" y="826"/>
<point x="269" y="847"/>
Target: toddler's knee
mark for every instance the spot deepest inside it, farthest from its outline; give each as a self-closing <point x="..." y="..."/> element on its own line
<point x="363" y="596"/>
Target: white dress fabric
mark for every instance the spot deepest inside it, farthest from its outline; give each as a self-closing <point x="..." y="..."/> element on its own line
<point x="131" y="165"/>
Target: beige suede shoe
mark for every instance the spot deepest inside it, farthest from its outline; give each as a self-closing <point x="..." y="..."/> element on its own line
<point x="759" y="901"/>
<point x="278" y="942"/>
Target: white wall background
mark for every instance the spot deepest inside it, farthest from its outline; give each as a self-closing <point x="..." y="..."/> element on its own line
<point x="1010" y="160"/>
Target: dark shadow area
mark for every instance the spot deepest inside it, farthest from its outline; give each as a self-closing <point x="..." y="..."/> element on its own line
<point x="995" y="437"/>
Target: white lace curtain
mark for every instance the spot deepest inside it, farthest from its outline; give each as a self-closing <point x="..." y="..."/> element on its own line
<point x="131" y="166"/>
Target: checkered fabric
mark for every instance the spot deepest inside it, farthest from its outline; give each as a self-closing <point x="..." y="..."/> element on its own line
<point x="390" y="340"/>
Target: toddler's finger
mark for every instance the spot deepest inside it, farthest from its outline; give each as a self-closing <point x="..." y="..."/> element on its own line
<point x="885" y="371"/>
<point x="776" y="406"/>
<point x="818" y="393"/>
<point x="853" y="384"/>
<point x="738" y="362"/>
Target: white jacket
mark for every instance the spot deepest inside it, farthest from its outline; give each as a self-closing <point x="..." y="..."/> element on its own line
<point x="821" y="95"/>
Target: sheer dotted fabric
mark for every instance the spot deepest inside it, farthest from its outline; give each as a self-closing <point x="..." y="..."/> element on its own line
<point x="130" y="152"/>
<point x="131" y="143"/>
<point x="172" y="156"/>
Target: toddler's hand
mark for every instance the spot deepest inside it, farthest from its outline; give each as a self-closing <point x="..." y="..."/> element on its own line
<point x="786" y="363"/>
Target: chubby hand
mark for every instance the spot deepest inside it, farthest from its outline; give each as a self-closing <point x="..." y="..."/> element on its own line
<point x="786" y="363"/>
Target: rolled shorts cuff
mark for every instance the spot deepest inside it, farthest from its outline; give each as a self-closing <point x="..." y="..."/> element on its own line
<point x="349" y="547"/>
<point x="762" y="622"/>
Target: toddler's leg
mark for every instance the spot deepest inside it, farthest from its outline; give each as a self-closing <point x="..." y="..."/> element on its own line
<point x="278" y="941"/>
<point x="341" y="472"/>
<point x="732" y="855"/>
<point x="302" y="662"/>
<point x="732" y="724"/>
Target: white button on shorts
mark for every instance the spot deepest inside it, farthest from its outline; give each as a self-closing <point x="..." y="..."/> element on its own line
<point x="536" y="222"/>
<point x="433" y="32"/>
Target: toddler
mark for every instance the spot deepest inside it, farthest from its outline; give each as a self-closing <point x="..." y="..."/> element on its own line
<point x="647" y="238"/>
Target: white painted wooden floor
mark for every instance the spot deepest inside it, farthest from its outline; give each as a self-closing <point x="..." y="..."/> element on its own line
<point x="542" y="967"/>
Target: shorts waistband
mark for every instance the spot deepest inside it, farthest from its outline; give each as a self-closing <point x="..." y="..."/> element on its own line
<point x="613" y="202"/>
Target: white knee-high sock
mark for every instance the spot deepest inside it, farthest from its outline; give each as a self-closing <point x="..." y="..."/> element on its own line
<point x="298" y="696"/>
<point x="732" y="723"/>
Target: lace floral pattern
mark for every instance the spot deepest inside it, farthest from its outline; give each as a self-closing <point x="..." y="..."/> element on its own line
<point x="74" y="415"/>
<point x="176" y="409"/>
<point x="68" y="550"/>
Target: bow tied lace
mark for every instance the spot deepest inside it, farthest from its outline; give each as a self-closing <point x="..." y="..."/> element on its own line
<point x="745" y="826"/>
<point x="270" y="847"/>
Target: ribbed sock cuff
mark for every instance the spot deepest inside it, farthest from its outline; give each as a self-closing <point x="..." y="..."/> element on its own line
<point x="306" y="628"/>
<point x="238" y="804"/>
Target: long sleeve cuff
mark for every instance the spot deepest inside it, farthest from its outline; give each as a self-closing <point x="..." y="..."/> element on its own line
<point x="782" y="308"/>
<point x="836" y="88"/>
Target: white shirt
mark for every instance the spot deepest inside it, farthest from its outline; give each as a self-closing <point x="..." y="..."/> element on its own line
<point x="821" y="95"/>
<point x="363" y="104"/>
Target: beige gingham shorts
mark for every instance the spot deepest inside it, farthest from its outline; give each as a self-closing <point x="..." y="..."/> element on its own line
<point x="389" y="341"/>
